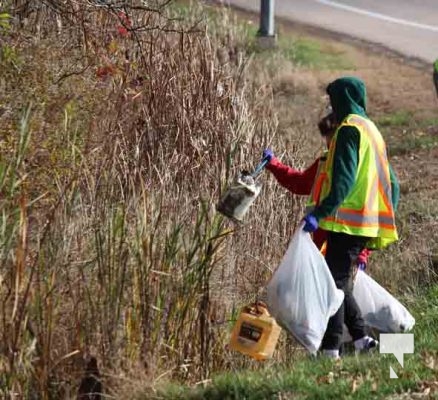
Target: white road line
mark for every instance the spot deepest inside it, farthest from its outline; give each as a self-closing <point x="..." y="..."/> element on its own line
<point x="379" y="16"/>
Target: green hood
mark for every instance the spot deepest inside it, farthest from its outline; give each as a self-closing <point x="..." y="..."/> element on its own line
<point x="347" y="96"/>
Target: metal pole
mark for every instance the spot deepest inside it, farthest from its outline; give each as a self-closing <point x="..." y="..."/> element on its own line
<point x="267" y="18"/>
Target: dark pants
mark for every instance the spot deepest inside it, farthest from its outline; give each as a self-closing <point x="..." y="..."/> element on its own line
<point x="342" y="251"/>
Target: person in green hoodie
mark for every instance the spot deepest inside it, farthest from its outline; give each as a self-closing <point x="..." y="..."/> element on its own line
<point x="358" y="198"/>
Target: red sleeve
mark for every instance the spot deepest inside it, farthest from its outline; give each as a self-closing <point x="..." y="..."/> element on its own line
<point x="298" y="182"/>
<point x="363" y="256"/>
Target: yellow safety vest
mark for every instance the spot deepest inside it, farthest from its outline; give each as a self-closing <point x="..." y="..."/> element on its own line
<point x="367" y="210"/>
<point x="321" y="175"/>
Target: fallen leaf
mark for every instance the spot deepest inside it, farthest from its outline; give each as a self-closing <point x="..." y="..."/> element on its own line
<point x="430" y="360"/>
<point x="355" y="385"/>
<point x="329" y="378"/>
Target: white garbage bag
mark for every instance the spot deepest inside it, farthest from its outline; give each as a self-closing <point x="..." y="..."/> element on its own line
<point x="380" y="310"/>
<point x="302" y="294"/>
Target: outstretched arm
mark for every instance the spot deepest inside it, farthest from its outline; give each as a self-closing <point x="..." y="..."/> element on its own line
<point x="296" y="181"/>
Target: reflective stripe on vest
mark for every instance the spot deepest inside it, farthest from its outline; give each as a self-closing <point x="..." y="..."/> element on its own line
<point x="382" y="185"/>
<point x="321" y="176"/>
<point x="370" y="213"/>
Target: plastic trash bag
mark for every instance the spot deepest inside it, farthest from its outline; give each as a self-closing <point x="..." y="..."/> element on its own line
<point x="302" y="294"/>
<point x="379" y="308"/>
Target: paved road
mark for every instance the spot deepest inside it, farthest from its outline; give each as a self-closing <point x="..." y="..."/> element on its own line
<point x="409" y="27"/>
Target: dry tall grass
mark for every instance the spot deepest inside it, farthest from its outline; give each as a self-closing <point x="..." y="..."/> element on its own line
<point x="116" y="146"/>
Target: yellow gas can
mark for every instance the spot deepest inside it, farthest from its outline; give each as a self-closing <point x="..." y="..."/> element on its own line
<point x="255" y="332"/>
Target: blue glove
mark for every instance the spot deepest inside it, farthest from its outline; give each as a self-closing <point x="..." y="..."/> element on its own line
<point x="362" y="266"/>
<point x="311" y="223"/>
<point x="268" y="155"/>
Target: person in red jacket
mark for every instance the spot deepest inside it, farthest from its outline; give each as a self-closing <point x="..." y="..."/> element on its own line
<point x="302" y="182"/>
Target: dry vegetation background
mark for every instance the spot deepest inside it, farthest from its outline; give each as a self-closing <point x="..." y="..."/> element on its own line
<point x="119" y="129"/>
